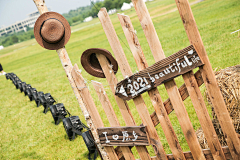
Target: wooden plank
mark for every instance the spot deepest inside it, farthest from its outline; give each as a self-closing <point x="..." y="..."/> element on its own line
<point x="170" y="86"/>
<point x="154" y="93"/>
<point x="123" y="106"/>
<point x="209" y="78"/>
<point x="207" y="153"/>
<point x="123" y="136"/>
<point x="112" y="118"/>
<point x="41" y="6"/>
<point x="184" y="94"/>
<point x="67" y="65"/>
<point x="90" y="106"/>
<point x="203" y="116"/>
<point x="162" y="71"/>
<point x="126" y="71"/>
<point x="108" y="109"/>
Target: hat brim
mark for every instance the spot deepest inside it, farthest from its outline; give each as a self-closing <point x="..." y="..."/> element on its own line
<point x="37" y="27"/>
<point x="90" y="62"/>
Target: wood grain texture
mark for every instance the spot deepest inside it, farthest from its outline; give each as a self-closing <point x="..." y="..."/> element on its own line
<point x="170" y="86"/>
<point x="184" y="94"/>
<point x="90" y="106"/>
<point x="123" y="106"/>
<point x="207" y="153"/>
<point x="67" y="66"/>
<point x="108" y="109"/>
<point x="41" y="6"/>
<point x="209" y="78"/>
<point x="154" y="93"/>
<point x="162" y="71"/>
<point x="123" y="136"/>
<point x="126" y="71"/>
<point x="203" y="116"/>
<point x="112" y="118"/>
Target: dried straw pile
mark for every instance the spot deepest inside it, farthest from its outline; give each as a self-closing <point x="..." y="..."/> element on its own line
<point x="202" y="139"/>
<point x="229" y="82"/>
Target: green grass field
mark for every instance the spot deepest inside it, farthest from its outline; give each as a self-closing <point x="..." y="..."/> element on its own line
<point x="27" y="133"/>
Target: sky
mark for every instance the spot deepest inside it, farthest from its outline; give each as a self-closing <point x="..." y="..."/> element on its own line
<point x="17" y="10"/>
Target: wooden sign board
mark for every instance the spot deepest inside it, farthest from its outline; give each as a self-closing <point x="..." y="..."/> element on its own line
<point x="161" y="72"/>
<point x="123" y="136"/>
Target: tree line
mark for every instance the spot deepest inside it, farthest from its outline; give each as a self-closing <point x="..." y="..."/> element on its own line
<point x="81" y="13"/>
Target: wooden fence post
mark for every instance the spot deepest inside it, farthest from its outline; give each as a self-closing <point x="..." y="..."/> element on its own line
<point x="123" y="106"/>
<point x="67" y="65"/>
<point x="91" y="107"/>
<point x="195" y="95"/>
<point x="153" y="93"/>
<point x="112" y="118"/>
<point x="126" y="71"/>
<point x="171" y="87"/>
<point x="209" y="78"/>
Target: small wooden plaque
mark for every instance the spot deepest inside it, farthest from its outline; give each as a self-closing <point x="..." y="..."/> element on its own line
<point x="123" y="136"/>
<point x="175" y="65"/>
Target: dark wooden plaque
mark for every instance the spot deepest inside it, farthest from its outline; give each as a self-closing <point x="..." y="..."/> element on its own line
<point x="123" y="136"/>
<point x="175" y="65"/>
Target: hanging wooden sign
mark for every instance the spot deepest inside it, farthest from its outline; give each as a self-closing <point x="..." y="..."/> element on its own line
<point x="123" y="136"/>
<point x="161" y="72"/>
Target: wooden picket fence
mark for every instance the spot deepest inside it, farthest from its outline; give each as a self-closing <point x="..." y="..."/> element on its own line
<point x="176" y="95"/>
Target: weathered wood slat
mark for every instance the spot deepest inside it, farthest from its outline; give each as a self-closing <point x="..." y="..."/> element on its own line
<point x="203" y="116"/>
<point x="170" y="86"/>
<point x="108" y="109"/>
<point x="67" y="65"/>
<point x="184" y="94"/>
<point x="112" y="118"/>
<point x="126" y="71"/>
<point x="154" y="93"/>
<point x="209" y="78"/>
<point x="123" y="106"/>
<point x="162" y="71"/>
<point x="207" y="153"/>
<point x="123" y="136"/>
<point x="90" y="105"/>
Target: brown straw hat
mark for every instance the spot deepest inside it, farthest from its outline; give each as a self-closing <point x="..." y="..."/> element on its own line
<point x="92" y="66"/>
<point x="52" y="31"/>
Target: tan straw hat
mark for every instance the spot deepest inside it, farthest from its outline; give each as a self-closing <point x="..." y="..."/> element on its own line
<point x="52" y="31"/>
<point x="91" y="65"/>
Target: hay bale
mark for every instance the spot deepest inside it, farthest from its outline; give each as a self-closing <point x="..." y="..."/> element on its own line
<point x="201" y="138"/>
<point x="229" y="83"/>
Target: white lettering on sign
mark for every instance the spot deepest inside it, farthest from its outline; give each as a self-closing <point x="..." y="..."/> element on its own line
<point x="141" y="84"/>
<point x="125" y="136"/>
<point x="115" y="137"/>
<point x="105" y="133"/>
<point x="135" y="136"/>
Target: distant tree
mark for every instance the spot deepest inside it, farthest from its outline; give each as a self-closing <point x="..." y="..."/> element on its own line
<point x="70" y="21"/>
<point x="14" y="39"/>
<point x="108" y="4"/>
<point x="95" y="9"/>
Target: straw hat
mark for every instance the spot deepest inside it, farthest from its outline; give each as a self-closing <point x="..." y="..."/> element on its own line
<point x="92" y="66"/>
<point x="52" y="31"/>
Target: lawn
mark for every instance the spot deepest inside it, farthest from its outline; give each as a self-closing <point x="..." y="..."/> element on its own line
<point x="27" y="133"/>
